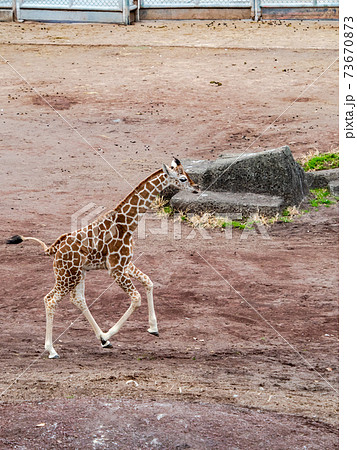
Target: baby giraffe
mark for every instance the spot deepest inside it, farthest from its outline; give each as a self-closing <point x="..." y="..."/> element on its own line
<point x="107" y="244"/>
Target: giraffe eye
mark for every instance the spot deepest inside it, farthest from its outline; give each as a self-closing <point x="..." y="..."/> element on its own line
<point x="183" y="179"/>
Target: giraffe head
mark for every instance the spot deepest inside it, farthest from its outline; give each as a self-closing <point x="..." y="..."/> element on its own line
<point x="179" y="178"/>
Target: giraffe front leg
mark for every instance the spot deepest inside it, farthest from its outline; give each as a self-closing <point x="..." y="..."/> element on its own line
<point x="152" y="316"/>
<point x="98" y="332"/>
<point x="78" y="299"/>
<point x="134" y="272"/>
<point x="135" y="303"/>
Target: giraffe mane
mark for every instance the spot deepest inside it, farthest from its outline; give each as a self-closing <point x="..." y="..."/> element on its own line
<point x="139" y="186"/>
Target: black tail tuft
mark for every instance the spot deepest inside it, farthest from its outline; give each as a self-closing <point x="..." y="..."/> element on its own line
<point x="15" y="240"/>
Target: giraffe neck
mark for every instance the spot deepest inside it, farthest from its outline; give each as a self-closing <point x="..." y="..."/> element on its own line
<point x="139" y="200"/>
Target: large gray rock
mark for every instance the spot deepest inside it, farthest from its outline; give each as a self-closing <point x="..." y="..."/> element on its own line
<point x="236" y="205"/>
<point x="273" y="172"/>
<point x="321" y="178"/>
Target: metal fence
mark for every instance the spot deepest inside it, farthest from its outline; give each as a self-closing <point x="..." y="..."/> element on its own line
<point x="115" y="11"/>
<point x="257" y="5"/>
<point x="195" y="3"/>
<point x="297" y="3"/>
<point x="94" y="5"/>
<point x="122" y="11"/>
<point x="253" y="4"/>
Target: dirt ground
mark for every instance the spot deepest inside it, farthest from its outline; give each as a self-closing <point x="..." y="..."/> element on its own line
<point x="248" y="350"/>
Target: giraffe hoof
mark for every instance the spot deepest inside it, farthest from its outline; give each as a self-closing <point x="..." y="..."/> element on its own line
<point x="154" y="333"/>
<point x="105" y="344"/>
<point x="54" y="357"/>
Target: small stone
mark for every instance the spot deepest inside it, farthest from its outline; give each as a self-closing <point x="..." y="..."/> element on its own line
<point x="334" y="187"/>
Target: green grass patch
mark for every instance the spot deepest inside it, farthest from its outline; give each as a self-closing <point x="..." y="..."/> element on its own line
<point x="322" y="197"/>
<point x="323" y="161"/>
<point x="234" y="224"/>
<point x="286" y="216"/>
<point x="168" y="210"/>
<point x="285" y="219"/>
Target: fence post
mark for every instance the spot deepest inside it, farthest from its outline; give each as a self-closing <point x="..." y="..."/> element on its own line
<point x="137" y="18"/>
<point x="14" y="10"/>
<point x="257" y="10"/>
<point x="126" y="12"/>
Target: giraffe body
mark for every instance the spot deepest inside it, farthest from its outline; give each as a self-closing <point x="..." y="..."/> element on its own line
<point x="107" y="243"/>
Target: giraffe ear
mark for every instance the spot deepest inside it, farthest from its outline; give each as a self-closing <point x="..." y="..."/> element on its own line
<point x="166" y="170"/>
<point x="175" y="163"/>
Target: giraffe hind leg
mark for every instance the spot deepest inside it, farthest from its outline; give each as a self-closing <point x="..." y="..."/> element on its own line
<point x="51" y="300"/>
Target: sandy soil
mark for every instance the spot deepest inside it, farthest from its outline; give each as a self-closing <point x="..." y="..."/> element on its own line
<point x="248" y="350"/>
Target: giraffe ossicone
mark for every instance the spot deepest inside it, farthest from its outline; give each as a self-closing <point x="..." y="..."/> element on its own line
<point x="107" y="244"/>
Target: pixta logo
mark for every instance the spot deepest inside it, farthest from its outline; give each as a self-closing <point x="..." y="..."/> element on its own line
<point x="85" y="215"/>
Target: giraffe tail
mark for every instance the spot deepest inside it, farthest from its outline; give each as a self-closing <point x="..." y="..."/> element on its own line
<point x="18" y="239"/>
